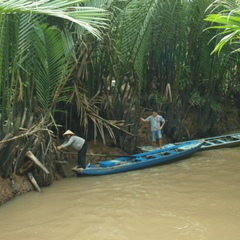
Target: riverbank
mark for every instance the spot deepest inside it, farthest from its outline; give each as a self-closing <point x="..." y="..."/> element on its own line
<point x="18" y="185"/>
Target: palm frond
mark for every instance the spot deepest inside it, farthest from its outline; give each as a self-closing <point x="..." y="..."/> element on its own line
<point x="134" y="22"/>
<point x="87" y="110"/>
<point x="51" y="65"/>
<point x="9" y="73"/>
<point x="227" y="22"/>
<point x="3" y="37"/>
<point x="90" y="18"/>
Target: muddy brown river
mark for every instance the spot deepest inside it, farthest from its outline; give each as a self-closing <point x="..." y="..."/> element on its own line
<point x="194" y="199"/>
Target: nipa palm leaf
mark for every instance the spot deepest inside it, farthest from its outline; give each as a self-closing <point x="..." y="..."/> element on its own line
<point x="52" y="66"/>
<point x="90" y="18"/>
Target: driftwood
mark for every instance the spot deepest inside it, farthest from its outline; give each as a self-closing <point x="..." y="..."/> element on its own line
<point x="26" y="167"/>
<point x="33" y="181"/>
<point x="26" y="154"/>
<point x="36" y="161"/>
<point x="59" y="162"/>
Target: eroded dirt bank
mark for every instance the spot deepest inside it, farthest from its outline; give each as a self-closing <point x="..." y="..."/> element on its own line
<point x="17" y="185"/>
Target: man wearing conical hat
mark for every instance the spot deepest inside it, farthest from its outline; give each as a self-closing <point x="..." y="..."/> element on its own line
<point x="79" y="144"/>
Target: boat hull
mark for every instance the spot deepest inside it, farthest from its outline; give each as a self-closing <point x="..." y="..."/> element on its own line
<point x="143" y="160"/>
<point x="230" y="140"/>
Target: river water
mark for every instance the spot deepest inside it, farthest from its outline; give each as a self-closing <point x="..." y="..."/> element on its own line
<point x="193" y="199"/>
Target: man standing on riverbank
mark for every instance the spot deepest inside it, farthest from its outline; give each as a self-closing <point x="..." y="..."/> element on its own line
<point x="157" y="123"/>
<point x="79" y="144"/>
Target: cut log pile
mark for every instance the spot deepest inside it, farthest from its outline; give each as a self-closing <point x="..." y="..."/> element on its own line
<point x="30" y="152"/>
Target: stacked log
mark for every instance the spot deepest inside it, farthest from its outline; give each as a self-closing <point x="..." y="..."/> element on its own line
<point x="30" y="155"/>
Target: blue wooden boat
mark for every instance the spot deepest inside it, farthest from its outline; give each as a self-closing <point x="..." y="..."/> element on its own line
<point x="229" y="140"/>
<point x="142" y="160"/>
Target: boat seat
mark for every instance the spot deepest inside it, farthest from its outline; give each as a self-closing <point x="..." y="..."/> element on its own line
<point x="140" y="159"/>
<point x="221" y="141"/>
<point x="236" y="136"/>
<point x="109" y="163"/>
<point x="184" y="148"/>
<point x="210" y="143"/>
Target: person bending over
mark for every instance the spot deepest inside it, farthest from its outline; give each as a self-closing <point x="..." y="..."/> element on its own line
<point x="79" y="144"/>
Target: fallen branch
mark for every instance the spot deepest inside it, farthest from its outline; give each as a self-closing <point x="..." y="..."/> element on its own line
<point x="111" y="124"/>
<point x="23" y="135"/>
<point x="36" y="161"/>
<point x="33" y="181"/>
<point x="60" y="162"/>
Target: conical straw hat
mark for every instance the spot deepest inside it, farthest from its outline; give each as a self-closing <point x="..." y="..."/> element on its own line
<point x="68" y="132"/>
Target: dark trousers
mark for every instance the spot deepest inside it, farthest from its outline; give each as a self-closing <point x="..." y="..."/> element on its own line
<point x="82" y="156"/>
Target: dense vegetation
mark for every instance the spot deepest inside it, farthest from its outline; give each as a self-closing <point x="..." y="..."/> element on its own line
<point x="95" y="66"/>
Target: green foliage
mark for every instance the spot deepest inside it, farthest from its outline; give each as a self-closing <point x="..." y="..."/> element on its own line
<point x="52" y="65"/>
<point x="134" y="33"/>
<point x="227" y="22"/>
<point x="89" y="18"/>
<point x="36" y="59"/>
<point x="167" y="41"/>
<point x="44" y="66"/>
